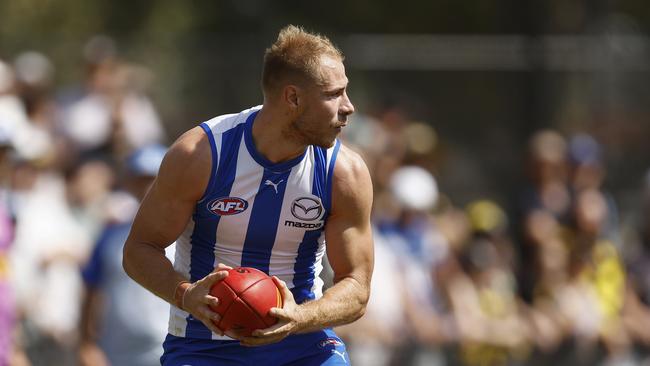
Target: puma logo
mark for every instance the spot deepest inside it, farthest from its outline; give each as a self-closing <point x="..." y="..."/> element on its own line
<point x="274" y="185"/>
<point x="342" y="354"/>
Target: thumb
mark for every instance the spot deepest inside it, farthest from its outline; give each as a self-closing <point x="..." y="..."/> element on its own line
<point x="284" y="290"/>
<point x="221" y="267"/>
<point x="215" y="277"/>
<point x="279" y="313"/>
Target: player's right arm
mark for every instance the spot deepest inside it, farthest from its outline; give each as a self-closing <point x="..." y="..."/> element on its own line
<point x="162" y="217"/>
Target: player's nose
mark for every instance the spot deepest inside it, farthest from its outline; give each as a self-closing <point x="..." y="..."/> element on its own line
<point x="347" y="107"/>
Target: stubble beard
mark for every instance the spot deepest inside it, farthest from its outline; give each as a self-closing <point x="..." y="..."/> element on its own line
<point x="299" y="130"/>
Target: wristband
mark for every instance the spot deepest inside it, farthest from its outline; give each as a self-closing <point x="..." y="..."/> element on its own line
<point x="179" y="295"/>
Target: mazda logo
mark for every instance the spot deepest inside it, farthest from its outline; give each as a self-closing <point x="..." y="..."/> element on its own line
<point x="306" y="208"/>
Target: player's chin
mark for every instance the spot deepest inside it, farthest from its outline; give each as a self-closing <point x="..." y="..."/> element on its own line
<point x="326" y="143"/>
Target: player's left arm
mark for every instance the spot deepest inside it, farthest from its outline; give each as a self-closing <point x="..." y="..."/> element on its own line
<point x="348" y="234"/>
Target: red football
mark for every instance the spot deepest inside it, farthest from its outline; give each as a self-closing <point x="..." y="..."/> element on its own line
<point x="245" y="298"/>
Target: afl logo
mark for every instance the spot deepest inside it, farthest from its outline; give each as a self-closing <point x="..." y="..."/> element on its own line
<point x="226" y="206"/>
<point x="307" y="208"/>
<point x="330" y="342"/>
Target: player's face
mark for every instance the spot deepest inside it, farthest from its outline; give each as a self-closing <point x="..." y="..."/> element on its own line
<point x="326" y="107"/>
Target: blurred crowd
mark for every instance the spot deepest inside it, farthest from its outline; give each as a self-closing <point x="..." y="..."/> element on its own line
<point x="74" y="163"/>
<point x="556" y="278"/>
<point x="563" y="278"/>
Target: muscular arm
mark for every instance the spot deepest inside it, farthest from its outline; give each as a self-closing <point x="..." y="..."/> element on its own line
<point x="162" y="217"/>
<point x="349" y="247"/>
<point x="350" y="251"/>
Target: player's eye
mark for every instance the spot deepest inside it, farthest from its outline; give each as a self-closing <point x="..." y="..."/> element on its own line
<point x="335" y="94"/>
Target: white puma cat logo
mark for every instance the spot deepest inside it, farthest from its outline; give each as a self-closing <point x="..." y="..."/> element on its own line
<point x="275" y="185"/>
<point x="342" y="354"/>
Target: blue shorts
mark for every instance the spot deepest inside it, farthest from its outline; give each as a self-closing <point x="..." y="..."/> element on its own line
<point x="310" y="349"/>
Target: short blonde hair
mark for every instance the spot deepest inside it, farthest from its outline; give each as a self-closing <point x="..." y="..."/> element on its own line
<point x="295" y="58"/>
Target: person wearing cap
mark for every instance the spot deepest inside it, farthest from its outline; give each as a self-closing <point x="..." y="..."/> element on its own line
<point x="113" y="331"/>
<point x="588" y="171"/>
<point x="415" y="193"/>
<point x="412" y="237"/>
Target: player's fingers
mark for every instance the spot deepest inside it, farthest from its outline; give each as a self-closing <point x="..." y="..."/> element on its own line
<point x="210" y="323"/>
<point x="233" y="334"/>
<point x="214" y="277"/>
<point x="210" y="319"/>
<point x="251" y="343"/>
<point x="207" y="313"/>
<point x="221" y="267"/>
<point x="278" y="282"/>
<point x="265" y="331"/>
<point x="279" y="313"/>
<point x="277" y="330"/>
<point x="210" y="300"/>
<point x="255" y="341"/>
<point x="220" y="332"/>
<point x="286" y="293"/>
<point x="247" y="342"/>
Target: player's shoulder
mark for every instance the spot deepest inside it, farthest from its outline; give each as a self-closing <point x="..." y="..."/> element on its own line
<point x="349" y="164"/>
<point x="225" y="122"/>
<point x="351" y="175"/>
<point x="191" y="145"/>
<point x="192" y="149"/>
<point x="187" y="164"/>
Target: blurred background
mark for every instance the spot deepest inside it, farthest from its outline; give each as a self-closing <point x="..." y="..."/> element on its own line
<point x="507" y="140"/>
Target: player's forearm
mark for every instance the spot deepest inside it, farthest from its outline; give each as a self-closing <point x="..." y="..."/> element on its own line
<point x="147" y="265"/>
<point x="343" y="303"/>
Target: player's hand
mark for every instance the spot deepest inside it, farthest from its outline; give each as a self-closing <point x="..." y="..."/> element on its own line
<point x="288" y="320"/>
<point x="197" y="299"/>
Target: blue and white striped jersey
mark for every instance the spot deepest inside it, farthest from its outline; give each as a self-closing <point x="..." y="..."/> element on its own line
<point x="258" y="214"/>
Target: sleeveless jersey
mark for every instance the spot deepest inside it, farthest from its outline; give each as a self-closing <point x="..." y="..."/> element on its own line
<point x="256" y="213"/>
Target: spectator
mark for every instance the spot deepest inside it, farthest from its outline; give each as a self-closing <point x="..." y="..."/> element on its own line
<point x="115" y="115"/>
<point x="588" y="172"/>
<point x="547" y="190"/>
<point x="482" y="294"/>
<point x="120" y="322"/>
<point x="420" y="248"/>
<point x="54" y="232"/>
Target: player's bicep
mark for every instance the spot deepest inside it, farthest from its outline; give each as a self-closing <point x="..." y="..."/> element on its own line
<point x="169" y="204"/>
<point x="349" y="250"/>
<point x="348" y="231"/>
<point x="161" y="218"/>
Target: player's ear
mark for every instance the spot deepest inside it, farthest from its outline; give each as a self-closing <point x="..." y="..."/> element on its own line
<point x="291" y="96"/>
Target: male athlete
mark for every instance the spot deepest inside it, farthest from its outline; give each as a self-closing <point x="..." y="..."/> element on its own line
<point x="272" y="188"/>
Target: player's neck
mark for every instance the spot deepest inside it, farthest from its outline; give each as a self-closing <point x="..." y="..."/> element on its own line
<point x="269" y="139"/>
